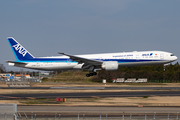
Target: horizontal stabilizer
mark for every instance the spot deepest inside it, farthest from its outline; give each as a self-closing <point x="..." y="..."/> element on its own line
<point x="16" y="62"/>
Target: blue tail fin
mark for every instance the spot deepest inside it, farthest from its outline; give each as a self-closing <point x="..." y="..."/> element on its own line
<point x="19" y="51"/>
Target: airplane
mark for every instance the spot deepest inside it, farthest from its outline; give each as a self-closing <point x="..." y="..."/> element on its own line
<point x="90" y="62"/>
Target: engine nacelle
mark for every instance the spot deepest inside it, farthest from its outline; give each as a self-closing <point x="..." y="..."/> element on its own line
<point x="110" y="65"/>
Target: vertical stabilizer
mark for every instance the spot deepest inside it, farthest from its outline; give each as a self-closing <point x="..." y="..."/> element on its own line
<point x="19" y="51"/>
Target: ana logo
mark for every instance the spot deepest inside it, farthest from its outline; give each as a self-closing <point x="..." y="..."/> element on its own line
<point x="145" y="54"/>
<point x="20" y="49"/>
<point x="151" y="54"/>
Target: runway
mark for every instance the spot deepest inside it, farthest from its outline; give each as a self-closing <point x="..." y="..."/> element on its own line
<point x="97" y="88"/>
<point x="89" y="95"/>
<point x="119" y="88"/>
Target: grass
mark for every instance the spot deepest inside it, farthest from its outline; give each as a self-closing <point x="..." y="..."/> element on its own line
<point x="53" y="101"/>
<point x="70" y="77"/>
<point x="90" y="99"/>
<point x="39" y="101"/>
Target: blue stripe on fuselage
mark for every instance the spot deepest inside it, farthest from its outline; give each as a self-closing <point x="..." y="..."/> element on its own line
<point x="66" y="60"/>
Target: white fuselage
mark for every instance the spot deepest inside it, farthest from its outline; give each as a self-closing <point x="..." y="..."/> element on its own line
<point x="123" y="59"/>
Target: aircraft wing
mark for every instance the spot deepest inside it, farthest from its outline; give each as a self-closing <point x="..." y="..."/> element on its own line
<point x="81" y="60"/>
<point x="22" y="63"/>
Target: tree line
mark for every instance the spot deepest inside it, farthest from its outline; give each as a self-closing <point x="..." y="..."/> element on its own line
<point x="2" y="68"/>
<point x="154" y="73"/>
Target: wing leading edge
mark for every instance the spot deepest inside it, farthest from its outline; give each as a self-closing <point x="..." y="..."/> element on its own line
<point x="81" y="60"/>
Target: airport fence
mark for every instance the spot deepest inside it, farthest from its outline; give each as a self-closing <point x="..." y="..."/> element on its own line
<point x="7" y="111"/>
<point x="122" y="116"/>
<point x="21" y="80"/>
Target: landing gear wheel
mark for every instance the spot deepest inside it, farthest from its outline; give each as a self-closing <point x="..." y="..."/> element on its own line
<point x="87" y="75"/>
<point x="94" y="73"/>
<point x="91" y="74"/>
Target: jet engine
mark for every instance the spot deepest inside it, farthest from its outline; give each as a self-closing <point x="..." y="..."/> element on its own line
<point x="110" y="65"/>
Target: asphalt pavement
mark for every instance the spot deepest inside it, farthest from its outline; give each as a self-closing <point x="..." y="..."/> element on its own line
<point x="97" y="88"/>
<point x="89" y="94"/>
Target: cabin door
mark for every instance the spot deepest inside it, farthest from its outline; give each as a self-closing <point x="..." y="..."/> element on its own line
<point x="162" y="56"/>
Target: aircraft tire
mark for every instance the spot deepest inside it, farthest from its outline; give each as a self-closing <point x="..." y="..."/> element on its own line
<point x="94" y="73"/>
<point x="91" y="74"/>
<point x="87" y="75"/>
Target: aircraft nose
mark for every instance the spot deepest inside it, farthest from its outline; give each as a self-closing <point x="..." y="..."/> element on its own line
<point x="176" y="57"/>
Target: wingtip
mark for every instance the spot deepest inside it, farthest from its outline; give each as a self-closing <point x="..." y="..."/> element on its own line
<point x="6" y="61"/>
<point x="61" y="53"/>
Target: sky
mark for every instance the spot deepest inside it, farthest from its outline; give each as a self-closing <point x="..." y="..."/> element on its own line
<point x="45" y="27"/>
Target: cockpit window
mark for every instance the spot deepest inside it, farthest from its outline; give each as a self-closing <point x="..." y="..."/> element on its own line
<point x="172" y="54"/>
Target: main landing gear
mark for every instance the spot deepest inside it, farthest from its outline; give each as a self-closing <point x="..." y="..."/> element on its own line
<point x="91" y="74"/>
